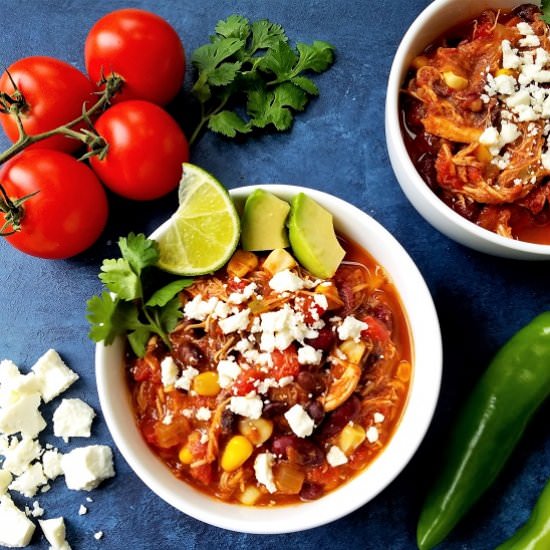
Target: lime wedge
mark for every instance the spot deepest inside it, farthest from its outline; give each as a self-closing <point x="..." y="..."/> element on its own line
<point x="204" y="231"/>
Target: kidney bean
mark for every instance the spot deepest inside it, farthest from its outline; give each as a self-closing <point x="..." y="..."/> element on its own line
<point x="316" y="411"/>
<point x="311" y="491"/>
<point x="324" y="341"/>
<point x="187" y="354"/>
<point x="336" y="420"/>
<point x="527" y="12"/>
<point x="306" y="380"/>
<point x="281" y="443"/>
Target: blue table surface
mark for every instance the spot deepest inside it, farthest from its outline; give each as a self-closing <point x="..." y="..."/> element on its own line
<point x="338" y="146"/>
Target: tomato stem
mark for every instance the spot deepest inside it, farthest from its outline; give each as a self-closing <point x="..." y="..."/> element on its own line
<point x="15" y="104"/>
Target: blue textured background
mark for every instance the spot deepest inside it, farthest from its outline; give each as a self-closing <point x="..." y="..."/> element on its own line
<point x="337" y="146"/>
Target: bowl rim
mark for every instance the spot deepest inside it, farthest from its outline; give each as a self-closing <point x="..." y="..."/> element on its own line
<point x="427" y="203"/>
<point x="415" y="419"/>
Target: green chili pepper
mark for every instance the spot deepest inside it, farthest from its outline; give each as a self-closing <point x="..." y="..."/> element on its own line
<point x="535" y="534"/>
<point x="516" y="382"/>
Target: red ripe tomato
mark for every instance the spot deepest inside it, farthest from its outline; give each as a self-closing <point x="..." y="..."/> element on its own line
<point x="68" y="212"/>
<point x="143" y="49"/>
<point x="54" y="92"/>
<point x="285" y="363"/>
<point x="146" y="150"/>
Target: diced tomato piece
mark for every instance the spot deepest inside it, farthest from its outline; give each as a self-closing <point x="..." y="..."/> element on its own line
<point x="311" y="310"/>
<point x="247" y="381"/>
<point x="172" y="434"/>
<point x="147" y="427"/>
<point x="236" y="286"/>
<point x="203" y="474"/>
<point x="377" y="331"/>
<point x="146" y="369"/>
<point x="285" y="363"/>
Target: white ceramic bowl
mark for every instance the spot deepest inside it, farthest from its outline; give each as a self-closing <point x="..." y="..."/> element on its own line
<point x="438" y="17"/>
<point x="424" y="390"/>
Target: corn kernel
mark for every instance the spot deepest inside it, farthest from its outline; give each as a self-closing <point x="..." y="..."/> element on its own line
<point x="241" y="263"/>
<point x="351" y="437"/>
<point x="236" y="453"/>
<point x="256" y="431"/>
<point x="250" y="496"/>
<point x="419" y="61"/>
<point x="278" y="260"/>
<point x="185" y="456"/>
<point x="206" y="384"/>
<point x="455" y="81"/>
<point x="507" y="72"/>
<point x="483" y="154"/>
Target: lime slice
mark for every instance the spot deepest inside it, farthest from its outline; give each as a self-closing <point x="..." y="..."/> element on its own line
<point x="204" y="231"/>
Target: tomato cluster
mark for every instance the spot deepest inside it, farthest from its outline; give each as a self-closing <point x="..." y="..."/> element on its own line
<point x="66" y="206"/>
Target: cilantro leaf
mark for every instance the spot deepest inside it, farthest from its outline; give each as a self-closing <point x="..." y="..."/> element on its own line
<point x="318" y="57"/>
<point x="138" y="340"/>
<point x="119" y="278"/>
<point x="235" y="26"/>
<point x="110" y="317"/>
<point x="224" y="74"/>
<point x="279" y="61"/>
<point x="306" y="84"/>
<point x="170" y="315"/>
<point x="266" y="35"/>
<point x="139" y="251"/>
<point x="545" y="7"/>
<point x="228" y="123"/>
<point x="208" y="57"/>
<point x="163" y="295"/>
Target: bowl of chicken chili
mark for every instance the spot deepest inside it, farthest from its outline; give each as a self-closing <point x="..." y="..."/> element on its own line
<point x="468" y="124"/>
<point x="285" y="400"/>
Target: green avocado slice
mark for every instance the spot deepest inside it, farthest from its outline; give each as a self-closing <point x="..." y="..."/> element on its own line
<point x="312" y="237"/>
<point x="263" y="222"/>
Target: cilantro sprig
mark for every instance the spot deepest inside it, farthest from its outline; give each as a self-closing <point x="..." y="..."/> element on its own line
<point x="130" y="306"/>
<point x="249" y="77"/>
<point x="545" y="7"/>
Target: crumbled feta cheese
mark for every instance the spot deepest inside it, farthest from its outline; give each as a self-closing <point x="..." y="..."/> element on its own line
<point x="203" y="413"/>
<point x="5" y="480"/>
<point x="285" y="381"/>
<point x="249" y="406"/>
<point x="29" y="481"/>
<point x="186" y="378"/>
<point x="204" y="438"/>
<point x="521" y="97"/>
<point x="51" y="462"/>
<point x="286" y="281"/>
<point x="510" y="57"/>
<point x="20" y="454"/>
<point x="73" y="418"/>
<point x="509" y="132"/>
<point x="525" y="29"/>
<point x="98" y="535"/>
<point x="199" y="309"/>
<point x="263" y="465"/>
<point x="236" y="322"/>
<point x="37" y="511"/>
<point x="263" y="385"/>
<point x="228" y="370"/>
<point x="489" y="136"/>
<point x="168" y="418"/>
<point x="505" y="84"/>
<point x="372" y="434"/>
<point x="86" y="467"/>
<point x="54" y="531"/>
<point x="351" y="328"/>
<point x="17" y="529"/>
<point x="168" y="371"/>
<point x="54" y="376"/>
<point x="82" y="510"/>
<point x="336" y="457"/>
<point x="299" y="421"/>
<point x="240" y="297"/>
<point x="308" y="355"/>
<point x="22" y="416"/>
<point x="379" y="417"/>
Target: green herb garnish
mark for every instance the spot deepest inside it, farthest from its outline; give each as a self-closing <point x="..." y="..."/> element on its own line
<point x="545" y="8"/>
<point x="129" y="306"/>
<point x="250" y="77"/>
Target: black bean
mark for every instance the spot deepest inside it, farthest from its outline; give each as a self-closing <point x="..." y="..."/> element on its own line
<point x="527" y="12"/>
<point x="306" y="453"/>
<point x="187" y="354"/>
<point x="336" y="420"/>
<point x="227" y="422"/>
<point x="316" y="411"/>
<point x="306" y="380"/>
<point x="311" y="491"/>
<point x="280" y="444"/>
<point x="273" y="409"/>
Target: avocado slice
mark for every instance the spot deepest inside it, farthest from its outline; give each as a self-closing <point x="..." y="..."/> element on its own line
<point x="263" y="221"/>
<point x="312" y="237"/>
